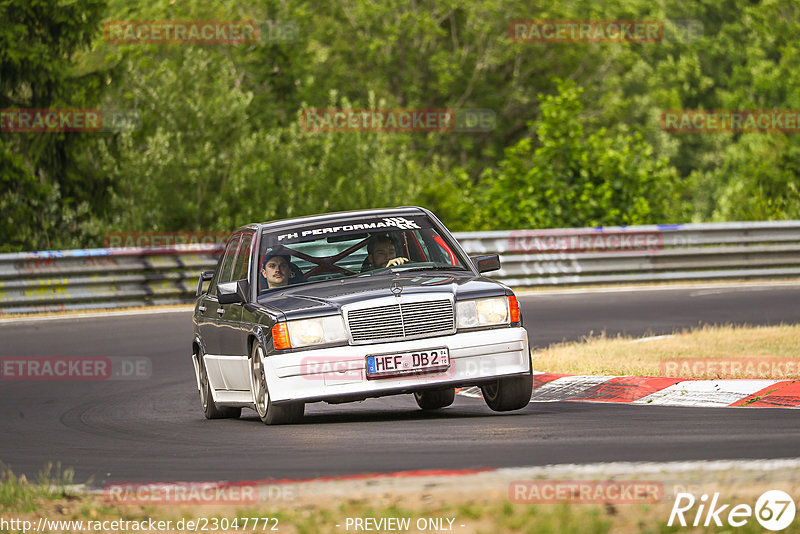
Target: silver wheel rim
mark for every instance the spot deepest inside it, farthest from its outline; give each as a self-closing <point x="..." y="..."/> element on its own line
<point x="260" y="394"/>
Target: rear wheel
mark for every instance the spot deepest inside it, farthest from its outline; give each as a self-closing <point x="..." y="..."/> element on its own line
<point x="435" y="399"/>
<point x="269" y="413"/>
<point x="506" y="394"/>
<point x="210" y="408"/>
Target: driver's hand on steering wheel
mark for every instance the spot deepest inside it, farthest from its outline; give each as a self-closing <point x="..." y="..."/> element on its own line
<point x="394" y="262"/>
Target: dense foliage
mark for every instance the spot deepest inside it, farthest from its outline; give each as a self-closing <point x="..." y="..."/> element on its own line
<point x="577" y="139"/>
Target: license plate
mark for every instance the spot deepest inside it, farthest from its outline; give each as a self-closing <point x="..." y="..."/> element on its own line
<point x="408" y="363"/>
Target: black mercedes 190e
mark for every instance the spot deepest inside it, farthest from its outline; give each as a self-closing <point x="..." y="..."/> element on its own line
<point x="346" y="306"/>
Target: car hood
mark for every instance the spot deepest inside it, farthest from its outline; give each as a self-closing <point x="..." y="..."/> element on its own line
<point x="328" y="297"/>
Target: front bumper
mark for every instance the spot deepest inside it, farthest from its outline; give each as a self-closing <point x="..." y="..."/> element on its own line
<point x="338" y="374"/>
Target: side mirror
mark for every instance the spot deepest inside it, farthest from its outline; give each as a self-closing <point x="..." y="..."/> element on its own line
<point x="205" y="276"/>
<point x="233" y="292"/>
<point x="486" y="264"/>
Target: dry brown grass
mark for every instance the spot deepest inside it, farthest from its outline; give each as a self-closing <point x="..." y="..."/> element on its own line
<point x="628" y="356"/>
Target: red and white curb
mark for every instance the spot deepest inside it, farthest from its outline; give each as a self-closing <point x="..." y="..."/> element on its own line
<point x="552" y="387"/>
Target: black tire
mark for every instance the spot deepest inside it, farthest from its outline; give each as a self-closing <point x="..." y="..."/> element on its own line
<point x="210" y="408"/>
<point x="507" y="394"/>
<point x="268" y="412"/>
<point x="434" y="399"/>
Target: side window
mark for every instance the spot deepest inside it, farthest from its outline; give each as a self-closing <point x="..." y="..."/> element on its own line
<point x="226" y="267"/>
<point x="423" y="244"/>
<point x="242" y="262"/>
<point x="436" y="248"/>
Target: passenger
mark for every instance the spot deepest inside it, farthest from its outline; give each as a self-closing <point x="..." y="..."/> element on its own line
<point x="382" y="252"/>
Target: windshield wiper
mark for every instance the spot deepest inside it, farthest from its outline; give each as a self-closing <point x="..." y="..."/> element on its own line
<point x="400" y="268"/>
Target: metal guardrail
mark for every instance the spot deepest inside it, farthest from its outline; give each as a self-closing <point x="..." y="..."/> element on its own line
<point x="109" y="278"/>
<point x="59" y="280"/>
<point x="653" y="253"/>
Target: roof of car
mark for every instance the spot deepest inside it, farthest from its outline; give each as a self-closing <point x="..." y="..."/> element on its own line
<point x="401" y="210"/>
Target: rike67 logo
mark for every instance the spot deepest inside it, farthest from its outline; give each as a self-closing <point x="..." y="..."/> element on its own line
<point x="774" y="510"/>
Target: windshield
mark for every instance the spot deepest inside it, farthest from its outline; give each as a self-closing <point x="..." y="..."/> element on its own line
<point x="364" y="247"/>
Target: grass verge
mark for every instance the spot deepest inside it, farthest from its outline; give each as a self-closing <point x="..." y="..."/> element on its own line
<point x="477" y="504"/>
<point x="17" y="494"/>
<point x="656" y="356"/>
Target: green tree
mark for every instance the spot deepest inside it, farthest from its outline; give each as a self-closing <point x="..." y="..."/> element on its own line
<point x="573" y="178"/>
<point x="220" y="144"/>
<point x="43" y="189"/>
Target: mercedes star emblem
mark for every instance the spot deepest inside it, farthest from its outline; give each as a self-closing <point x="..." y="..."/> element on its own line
<point x="396" y="289"/>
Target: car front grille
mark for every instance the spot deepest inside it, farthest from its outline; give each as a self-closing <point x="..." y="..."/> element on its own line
<point x="407" y="320"/>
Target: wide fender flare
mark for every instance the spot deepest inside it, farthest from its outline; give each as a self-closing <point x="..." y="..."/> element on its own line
<point x="257" y="332"/>
<point x="262" y="337"/>
<point x="195" y="358"/>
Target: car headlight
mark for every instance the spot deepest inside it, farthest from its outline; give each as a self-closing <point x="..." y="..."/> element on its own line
<point x="305" y="332"/>
<point x="487" y="312"/>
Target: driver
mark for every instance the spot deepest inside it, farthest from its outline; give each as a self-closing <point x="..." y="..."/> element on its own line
<point x="382" y="252"/>
<point x="276" y="270"/>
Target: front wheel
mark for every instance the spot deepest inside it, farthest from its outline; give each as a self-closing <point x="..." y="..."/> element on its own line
<point x="506" y="394"/>
<point x="210" y="408"/>
<point x="435" y="399"/>
<point x="269" y="413"/>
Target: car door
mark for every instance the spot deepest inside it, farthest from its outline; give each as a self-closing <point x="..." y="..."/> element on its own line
<point x="209" y="317"/>
<point x="231" y="315"/>
<point x="233" y="334"/>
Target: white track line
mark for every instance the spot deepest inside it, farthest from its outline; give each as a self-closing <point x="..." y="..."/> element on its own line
<point x="705" y="392"/>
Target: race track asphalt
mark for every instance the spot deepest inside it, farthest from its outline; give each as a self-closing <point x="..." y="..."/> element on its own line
<point x="154" y="430"/>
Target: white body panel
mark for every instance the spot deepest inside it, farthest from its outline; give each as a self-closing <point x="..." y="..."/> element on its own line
<point x="331" y="373"/>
